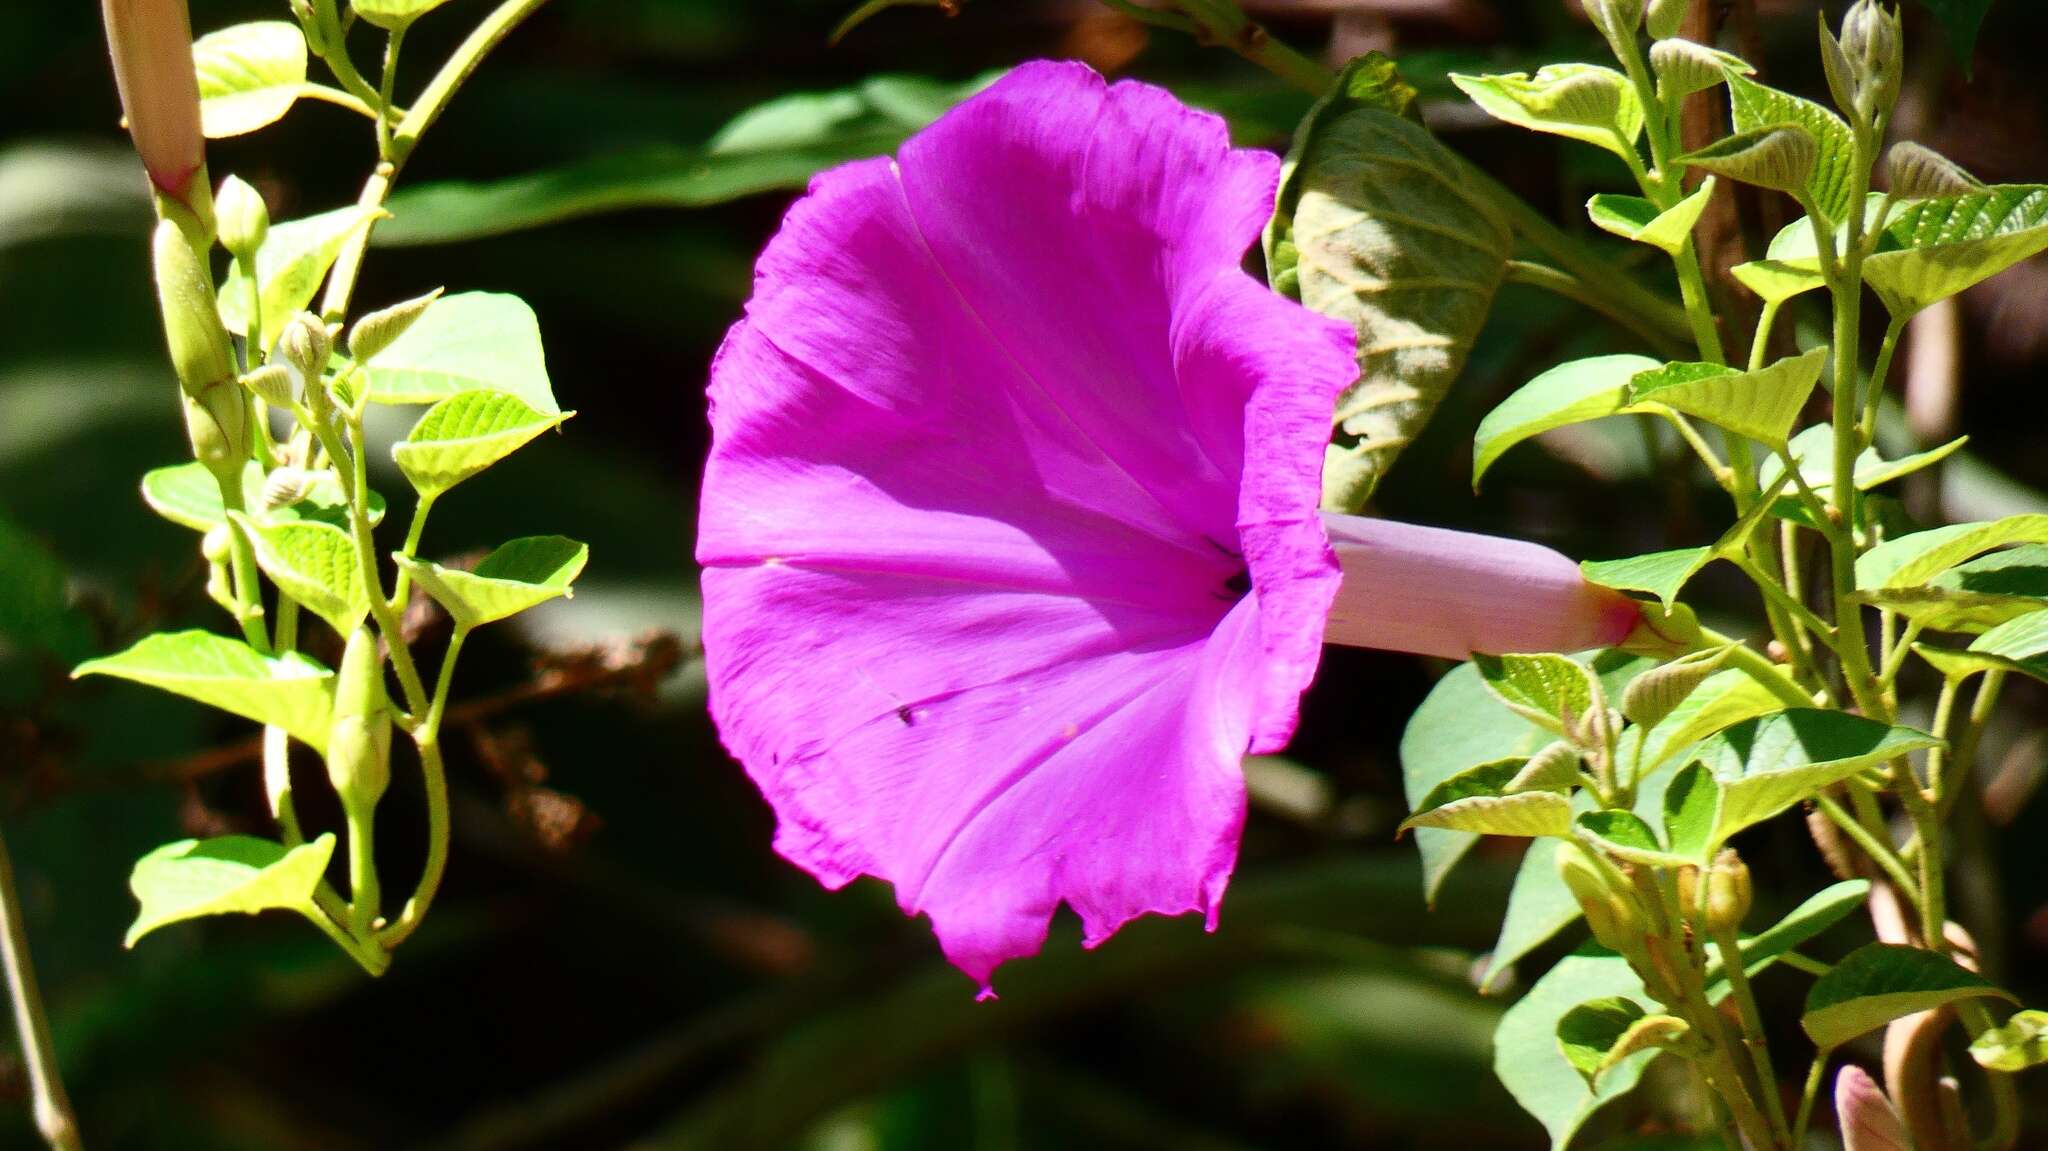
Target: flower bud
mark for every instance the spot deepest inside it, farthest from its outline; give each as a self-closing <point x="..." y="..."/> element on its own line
<point x="380" y="329"/>
<point x="305" y="345"/>
<point x="151" y="45"/>
<point x="359" y="742"/>
<point x="1617" y="20"/>
<point x="1616" y="920"/>
<point x="215" y="545"/>
<point x="200" y="351"/>
<point x="1728" y="892"/>
<point x="1864" y="68"/>
<point x="1450" y="594"/>
<point x="241" y="216"/>
<point x="286" y="486"/>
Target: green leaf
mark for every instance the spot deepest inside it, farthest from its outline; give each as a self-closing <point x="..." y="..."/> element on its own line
<point x="187" y="495"/>
<point x="1754" y="106"/>
<point x="1915" y="560"/>
<point x="1762" y="405"/>
<point x="1961" y="20"/>
<point x="1555" y="768"/>
<point x="1723" y="701"/>
<point x="517" y="576"/>
<point x="1570" y="393"/>
<point x="1634" y="218"/>
<point x="1974" y="596"/>
<point x="1627" y="836"/>
<point x="1376" y="225"/>
<point x="1814" y="448"/>
<point x="2020" y="1044"/>
<point x="1880" y="982"/>
<point x="393" y="13"/>
<point x="471" y="341"/>
<point x="1598" y="1035"/>
<point x="249" y="75"/>
<point x="289" y="691"/>
<point x="776" y="147"/>
<point x="1780" y="157"/>
<point x="466" y="433"/>
<point x="1801" y="925"/>
<point x="1933" y="249"/>
<point x="1665" y="574"/>
<point x="1459" y="725"/>
<point x="1526" y="1057"/>
<point x="1768" y="764"/>
<point x="1684" y="67"/>
<point x="1656" y="693"/>
<point x="1584" y="102"/>
<point x="35" y="599"/>
<point x="1776" y="280"/>
<point x="233" y="874"/>
<point x="1476" y="800"/>
<point x="293" y="260"/>
<point x="1551" y="691"/>
<point x="315" y="564"/>
<point x="1539" y="906"/>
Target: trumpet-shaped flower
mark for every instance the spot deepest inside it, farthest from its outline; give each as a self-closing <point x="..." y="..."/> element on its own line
<point x="151" y="45"/>
<point x="1009" y="527"/>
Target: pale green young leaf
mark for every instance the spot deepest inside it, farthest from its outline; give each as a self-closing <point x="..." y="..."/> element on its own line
<point x="1692" y="814"/>
<point x="1555" y="768"/>
<point x="1376" y="224"/>
<point x="249" y="75"/>
<point x="1656" y="693"/>
<point x="1814" y="448"/>
<point x="1665" y="574"/>
<point x="1634" y="218"/>
<point x="1780" y="157"/>
<point x="466" y="433"/>
<point x="393" y="13"/>
<point x="376" y="330"/>
<point x="1762" y="405"/>
<point x="1959" y="665"/>
<point x="1526" y="1057"/>
<point x="1476" y="800"/>
<point x="519" y="575"/>
<point x="288" y="691"/>
<point x="1776" y="280"/>
<point x="1726" y="699"/>
<point x="1754" y="106"/>
<point x="1918" y="172"/>
<point x="1933" y="249"/>
<point x="1584" y="102"/>
<point x="471" y="341"/>
<point x="1684" y="67"/>
<point x="1916" y="559"/>
<point x="1880" y="982"/>
<point x="229" y="875"/>
<point x="1570" y="393"/>
<point x="315" y="564"/>
<point x="294" y="259"/>
<point x="1974" y="596"/>
<point x="1550" y="691"/>
<point x="1539" y="906"/>
<point x="1771" y="763"/>
<point x="2020" y="1044"/>
<point x="1626" y="836"/>
<point x="1806" y="922"/>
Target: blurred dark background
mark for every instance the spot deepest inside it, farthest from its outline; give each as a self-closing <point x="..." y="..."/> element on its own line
<point x="618" y="959"/>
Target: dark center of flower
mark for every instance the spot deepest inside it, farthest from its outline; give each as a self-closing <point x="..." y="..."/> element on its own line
<point x="1239" y="584"/>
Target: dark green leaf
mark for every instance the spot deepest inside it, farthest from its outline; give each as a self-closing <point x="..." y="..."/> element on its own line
<point x="1880" y="982"/>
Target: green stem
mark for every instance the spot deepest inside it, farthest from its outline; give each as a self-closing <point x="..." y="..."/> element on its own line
<point x="1759" y="668"/>
<point x="1878" y="374"/>
<point x="1760" y="347"/>
<point x="332" y="914"/>
<point x="54" y="1117"/>
<point x="1877" y="850"/>
<point x="427" y="737"/>
<point x="341" y="283"/>
<point x="365" y="892"/>
<point x="1809" y="1093"/>
<point x="385" y="83"/>
<point x="1222" y="22"/>
<point x="402" y="585"/>
<point x="1699" y="311"/>
<point x="338" y="98"/>
<point x="1792" y="607"/>
<point x="333" y="39"/>
<point x="1595" y="298"/>
<point x="1933" y="865"/>
<point x="1752" y="1027"/>
<point x="242" y="565"/>
<point x="1949" y="784"/>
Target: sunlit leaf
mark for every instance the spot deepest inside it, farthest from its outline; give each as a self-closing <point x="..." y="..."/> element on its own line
<point x="519" y="575"/>
<point x="315" y="564"/>
<point x="249" y="75"/>
<point x="466" y="433"/>
<point x="187" y="495"/>
<point x="1933" y="249"/>
<point x="1880" y="982"/>
<point x="1570" y="393"/>
<point x="393" y="13"/>
<point x="1634" y="218"/>
<point x="1755" y="106"/>
<point x="1656" y="693"/>
<point x="1916" y="559"/>
<point x="1665" y="574"/>
<point x="1581" y="101"/>
<point x="294" y="259"/>
<point x="1762" y="405"/>
<point x="1626" y="836"/>
<point x="466" y="342"/>
<point x="1550" y="691"/>
<point x="229" y="875"/>
<point x="1768" y="764"/>
<point x="2020" y="1044"/>
<point x="1477" y="801"/>
<point x="288" y="691"/>
<point x="1525" y="1050"/>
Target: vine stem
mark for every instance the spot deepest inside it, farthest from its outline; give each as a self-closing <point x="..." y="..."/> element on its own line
<point x="54" y="1117"/>
<point x="1759" y="668"/>
<point x="1809" y="1093"/>
<point x="1752" y="1027"/>
<point x="1571" y="287"/>
<point x="427" y="738"/>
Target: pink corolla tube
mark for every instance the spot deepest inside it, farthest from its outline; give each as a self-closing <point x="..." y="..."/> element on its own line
<point x="151" y="45"/>
<point x="1868" y="1121"/>
<point x="1009" y="531"/>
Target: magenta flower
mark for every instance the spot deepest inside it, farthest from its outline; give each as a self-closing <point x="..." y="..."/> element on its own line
<point x="1009" y="527"/>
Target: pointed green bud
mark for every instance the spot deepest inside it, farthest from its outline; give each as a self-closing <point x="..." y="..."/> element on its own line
<point x="198" y="342"/>
<point x="359" y="742"/>
<point x="1666" y="17"/>
<point x="271" y="383"/>
<point x="1866" y="66"/>
<point x="305" y="345"/>
<point x="1618" y="21"/>
<point x="241" y="216"/>
<point x="376" y="331"/>
<point x="1613" y="914"/>
<point x="1684" y="67"/>
<point x="1780" y="157"/>
<point x="1728" y="892"/>
<point x="286" y="486"/>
